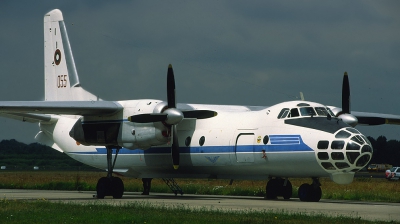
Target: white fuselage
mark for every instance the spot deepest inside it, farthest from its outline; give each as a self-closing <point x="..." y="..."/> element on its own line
<point x="239" y="143"/>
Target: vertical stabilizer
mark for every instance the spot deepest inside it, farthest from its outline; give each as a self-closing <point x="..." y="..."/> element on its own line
<point x="61" y="76"/>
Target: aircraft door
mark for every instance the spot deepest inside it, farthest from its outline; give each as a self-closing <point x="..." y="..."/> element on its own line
<point x="244" y="148"/>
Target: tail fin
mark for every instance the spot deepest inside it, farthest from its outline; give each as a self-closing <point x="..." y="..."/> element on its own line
<point x="61" y="77"/>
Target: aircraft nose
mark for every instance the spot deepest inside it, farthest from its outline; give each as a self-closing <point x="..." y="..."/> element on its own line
<point x="347" y="150"/>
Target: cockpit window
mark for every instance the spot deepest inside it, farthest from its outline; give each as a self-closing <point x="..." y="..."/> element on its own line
<point x="307" y="111"/>
<point x="294" y="113"/>
<point x="330" y="112"/>
<point x="284" y="112"/>
<point x="321" y="111"/>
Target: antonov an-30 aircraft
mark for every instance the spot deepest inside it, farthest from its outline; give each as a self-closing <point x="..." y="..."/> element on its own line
<point x="149" y="138"/>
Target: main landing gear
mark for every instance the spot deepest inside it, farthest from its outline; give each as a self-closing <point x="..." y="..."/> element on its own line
<point x="110" y="186"/>
<point x="311" y="192"/>
<point x="279" y="187"/>
<point x="282" y="187"/>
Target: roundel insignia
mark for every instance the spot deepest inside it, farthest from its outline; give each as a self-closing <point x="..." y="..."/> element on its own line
<point x="258" y="139"/>
<point x="57" y="57"/>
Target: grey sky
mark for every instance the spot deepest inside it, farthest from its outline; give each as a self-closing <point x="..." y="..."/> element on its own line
<point x="223" y="52"/>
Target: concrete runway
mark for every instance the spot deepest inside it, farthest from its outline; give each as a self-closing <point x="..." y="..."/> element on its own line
<point x="355" y="209"/>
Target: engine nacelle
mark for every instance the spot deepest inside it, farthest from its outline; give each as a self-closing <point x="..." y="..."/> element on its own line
<point x="124" y="134"/>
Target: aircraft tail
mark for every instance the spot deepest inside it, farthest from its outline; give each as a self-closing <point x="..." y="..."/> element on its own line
<point x="61" y="77"/>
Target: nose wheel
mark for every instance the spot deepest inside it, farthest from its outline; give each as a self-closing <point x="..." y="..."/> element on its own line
<point x="110" y="186"/>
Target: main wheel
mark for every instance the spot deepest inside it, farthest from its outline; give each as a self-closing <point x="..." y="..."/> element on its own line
<point x="117" y="187"/>
<point x="286" y="190"/>
<point x="316" y="194"/>
<point x="272" y="189"/>
<point x="304" y="192"/>
<point x="103" y="187"/>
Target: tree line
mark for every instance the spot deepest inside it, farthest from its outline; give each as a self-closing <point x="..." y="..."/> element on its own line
<point x="16" y="155"/>
<point x="385" y="151"/>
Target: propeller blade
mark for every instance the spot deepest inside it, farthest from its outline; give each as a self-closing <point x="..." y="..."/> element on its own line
<point x="199" y="114"/>
<point x="371" y="120"/>
<point x="346" y="94"/>
<point x="171" y="98"/>
<point x="175" y="148"/>
<point x="147" y="118"/>
<point x="367" y="120"/>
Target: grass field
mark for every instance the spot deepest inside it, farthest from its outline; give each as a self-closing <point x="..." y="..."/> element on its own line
<point x="362" y="189"/>
<point x="136" y="212"/>
<point x="42" y="211"/>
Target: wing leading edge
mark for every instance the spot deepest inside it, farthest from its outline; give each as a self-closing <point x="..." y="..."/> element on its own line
<point x="34" y="108"/>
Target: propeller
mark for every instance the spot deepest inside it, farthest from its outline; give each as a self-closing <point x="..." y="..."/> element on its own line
<point x="360" y="117"/>
<point x="345" y="113"/>
<point x="171" y="116"/>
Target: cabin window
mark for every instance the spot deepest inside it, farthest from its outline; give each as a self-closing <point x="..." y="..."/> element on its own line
<point x="266" y="139"/>
<point x="202" y="140"/>
<point x="307" y="111"/>
<point x="188" y="140"/>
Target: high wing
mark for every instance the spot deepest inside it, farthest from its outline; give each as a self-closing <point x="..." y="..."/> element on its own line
<point x="19" y="108"/>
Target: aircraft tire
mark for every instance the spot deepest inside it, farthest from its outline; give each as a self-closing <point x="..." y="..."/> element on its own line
<point x="272" y="189"/>
<point x="117" y="187"/>
<point x="103" y="187"/>
<point x="286" y="190"/>
<point x="305" y="190"/>
<point x="316" y="194"/>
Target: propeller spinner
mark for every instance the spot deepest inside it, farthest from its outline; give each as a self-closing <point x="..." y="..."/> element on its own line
<point x="171" y="116"/>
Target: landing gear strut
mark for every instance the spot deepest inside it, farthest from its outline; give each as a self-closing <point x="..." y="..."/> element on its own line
<point x="279" y="187"/>
<point x="311" y="193"/>
<point x="110" y="186"/>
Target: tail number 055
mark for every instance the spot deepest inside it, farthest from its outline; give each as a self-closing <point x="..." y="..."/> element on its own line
<point x="62" y="81"/>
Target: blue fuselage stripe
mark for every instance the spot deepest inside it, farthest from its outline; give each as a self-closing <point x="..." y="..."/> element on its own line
<point x="277" y="147"/>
